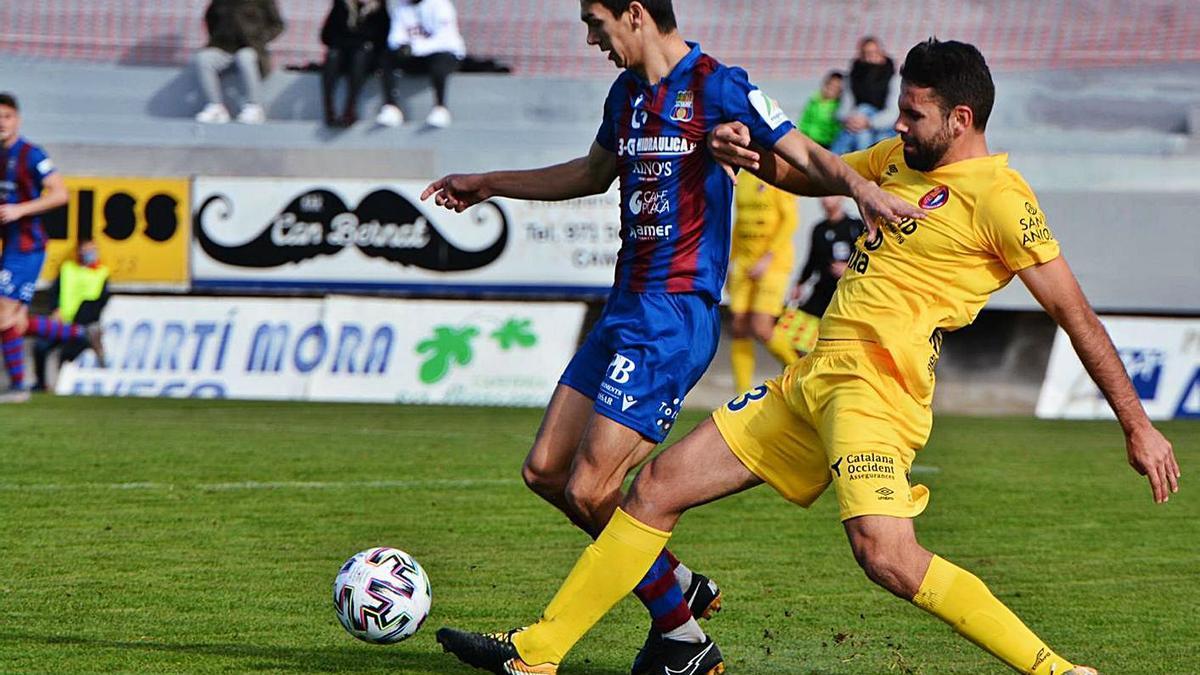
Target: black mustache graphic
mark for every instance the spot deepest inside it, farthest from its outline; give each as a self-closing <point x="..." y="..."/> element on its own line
<point x="384" y="225"/>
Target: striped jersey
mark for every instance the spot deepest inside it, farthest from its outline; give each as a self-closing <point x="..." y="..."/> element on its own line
<point x="25" y="167"/>
<point x="675" y="199"/>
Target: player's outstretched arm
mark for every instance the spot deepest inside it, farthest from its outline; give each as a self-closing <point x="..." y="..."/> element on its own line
<point x="580" y="177"/>
<point x="54" y="194"/>
<point x="800" y="166"/>
<point x="1150" y="454"/>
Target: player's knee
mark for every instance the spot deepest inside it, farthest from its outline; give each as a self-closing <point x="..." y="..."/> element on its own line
<point x="648" y="494"/>
<point x="543" y="479"/>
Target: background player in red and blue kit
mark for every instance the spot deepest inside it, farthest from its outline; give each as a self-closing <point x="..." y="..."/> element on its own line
<point x="620" y="394"/>
<point x="29" y="187"/>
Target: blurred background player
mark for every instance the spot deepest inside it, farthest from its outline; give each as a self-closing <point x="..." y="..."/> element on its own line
<point x="620" y="394"/>
<point x="828" y="251"/>
<point x="238" y="34"/>
<point x="77" y="298"/>
<point x="820" y="120"/>
<point x="760" y="267"/>
<point x="30" y="187"/>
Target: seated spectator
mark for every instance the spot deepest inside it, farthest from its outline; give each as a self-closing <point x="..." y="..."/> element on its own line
<point x="870" y="79"/>
<point x="424" y="38"/>
<point x="354" y="32"/>
<point x="77" y="298"/>
<point x="819" y="120"/>
<point x="238" y="33"/>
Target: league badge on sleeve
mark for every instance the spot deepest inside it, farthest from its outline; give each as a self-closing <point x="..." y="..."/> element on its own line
<point x="768" y="109"/>
<point x="682" y="112"/>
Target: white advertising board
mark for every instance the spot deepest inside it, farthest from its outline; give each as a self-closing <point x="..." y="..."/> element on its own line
<point x="335" y="349"/>
<point x="355" y="235"/>
<point x="1162" y="357"/>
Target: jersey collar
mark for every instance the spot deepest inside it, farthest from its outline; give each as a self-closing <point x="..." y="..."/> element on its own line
<point x="682" y="68"/>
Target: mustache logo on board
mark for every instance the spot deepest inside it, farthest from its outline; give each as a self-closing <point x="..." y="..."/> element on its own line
<point x="383" y="225"/>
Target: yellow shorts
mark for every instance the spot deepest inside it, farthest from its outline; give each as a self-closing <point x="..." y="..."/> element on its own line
<point x="764" y="295"/>
<point x="800" y="328"/>
<point x="838" y="415"/>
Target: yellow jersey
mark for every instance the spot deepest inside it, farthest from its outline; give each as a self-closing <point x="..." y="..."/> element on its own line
<point x="914" y="280"/>
<point x="764" y="220"/>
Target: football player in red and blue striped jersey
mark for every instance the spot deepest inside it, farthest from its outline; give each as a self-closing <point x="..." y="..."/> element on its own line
<point x="29" y="187"/>
<point x="620" y="394"/>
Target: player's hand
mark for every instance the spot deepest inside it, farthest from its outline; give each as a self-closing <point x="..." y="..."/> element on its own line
<point x="11" y="213"/>
<point x="457" y="192"/>
<point x="729" y="143"/>
<point x="760" y="266"/>
<point x="837" y="268"/>
<point x="878" y="207"/>
<point x="1151" y="455"/>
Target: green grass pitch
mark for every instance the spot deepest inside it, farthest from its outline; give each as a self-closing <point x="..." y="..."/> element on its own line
<point x="159" y="536"/>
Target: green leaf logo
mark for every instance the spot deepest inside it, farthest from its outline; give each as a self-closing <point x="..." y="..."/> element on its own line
<point x="515" y="332"/>
<point x="448" y="345"/>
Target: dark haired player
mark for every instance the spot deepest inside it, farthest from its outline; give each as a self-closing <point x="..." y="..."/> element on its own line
<point x="29" y="187"/>
<point x="619" y="396"/>
<point x="854" y="411"/>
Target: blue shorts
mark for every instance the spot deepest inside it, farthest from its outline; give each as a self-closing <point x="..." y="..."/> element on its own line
<point x="643" y="356"/>
<point x="19" y="274"/>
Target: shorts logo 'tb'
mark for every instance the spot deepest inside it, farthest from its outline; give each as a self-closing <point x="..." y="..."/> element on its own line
<point x="620" y="368"/>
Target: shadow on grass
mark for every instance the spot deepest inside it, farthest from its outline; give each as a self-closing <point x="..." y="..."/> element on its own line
<point x="327" y="659"/>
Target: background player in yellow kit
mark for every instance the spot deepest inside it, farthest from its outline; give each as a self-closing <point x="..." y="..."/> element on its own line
<point x="760" y="267"/>
<point x="855" y="411"/>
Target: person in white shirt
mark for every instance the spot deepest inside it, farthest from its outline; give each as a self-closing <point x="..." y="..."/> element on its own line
<point x="424" y="38"/>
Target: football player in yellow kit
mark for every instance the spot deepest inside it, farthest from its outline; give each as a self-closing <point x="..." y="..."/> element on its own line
<point x="760" y="267"/>
<point x="855" y="411"/>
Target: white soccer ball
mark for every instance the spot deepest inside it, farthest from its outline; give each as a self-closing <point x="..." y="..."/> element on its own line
<point x="382" y="596"/>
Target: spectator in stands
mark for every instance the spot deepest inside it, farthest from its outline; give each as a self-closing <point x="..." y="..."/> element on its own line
<point x="355" y="33"/>
<point x="77" y="298"/>
<point x="819" y="121"/>
<point x="870" y="81"/>
<point x="238" y="33"/>
<point x="423" y="38"/>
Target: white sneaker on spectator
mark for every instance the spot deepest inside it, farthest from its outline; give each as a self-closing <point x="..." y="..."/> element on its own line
<point x="439" y="117"/>
<point x="389" y="116"/>
<point x="213" y="113"/>
<point x="252" y="113"/>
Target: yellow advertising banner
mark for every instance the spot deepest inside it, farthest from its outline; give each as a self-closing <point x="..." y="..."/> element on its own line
<point x="142" y="227"/>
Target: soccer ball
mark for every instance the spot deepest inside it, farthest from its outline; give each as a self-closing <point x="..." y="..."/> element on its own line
<point x="382" y="596"/>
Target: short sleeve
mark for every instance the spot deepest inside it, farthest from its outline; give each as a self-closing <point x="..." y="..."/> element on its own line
<point x="1014" y="228"/>
<point x="743" y="102"/>
<point x="606" y="135"/>
<point x="870" y="163"/>
<point x="40" y="163"/>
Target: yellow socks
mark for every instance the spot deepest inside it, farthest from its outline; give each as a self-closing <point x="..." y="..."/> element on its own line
<point x="742" y="359"/>
<point x="959" y="598"/>
<point x="606" y="572"/>
<point x="780" y="347"/>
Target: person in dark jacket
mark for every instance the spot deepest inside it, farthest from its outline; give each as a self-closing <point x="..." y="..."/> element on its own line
<point x="355" y="33"/>
<point x="238" y="34"/>
<point x="870" y="84"/>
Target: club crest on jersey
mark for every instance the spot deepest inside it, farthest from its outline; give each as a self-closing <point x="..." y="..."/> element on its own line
<point x="935" y="198"/>
<point x="682" y="112"/>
